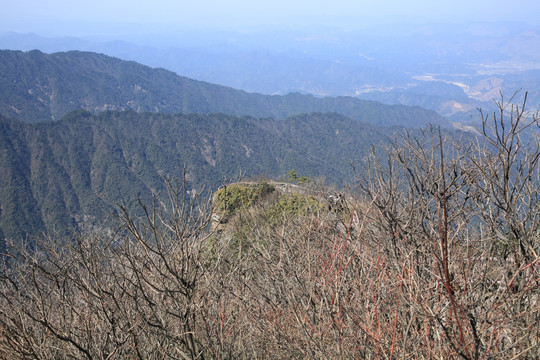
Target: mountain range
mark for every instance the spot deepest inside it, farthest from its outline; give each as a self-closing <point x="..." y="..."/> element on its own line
<point x="449" y="68"/>
<point x="83" y="132"/>
<point x="43" y="87"/>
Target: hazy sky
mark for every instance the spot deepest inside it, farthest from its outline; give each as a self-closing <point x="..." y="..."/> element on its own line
<point x="18" y="14"/>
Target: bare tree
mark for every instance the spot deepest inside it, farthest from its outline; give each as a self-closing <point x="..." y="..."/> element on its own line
<point x="435" y="256"/>
<point x="508" y="183"/>
<point x="131" y="294"/>
<point x="461" y="203"/>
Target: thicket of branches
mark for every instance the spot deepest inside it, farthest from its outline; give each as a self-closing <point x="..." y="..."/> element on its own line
<point x="435" y="256"/>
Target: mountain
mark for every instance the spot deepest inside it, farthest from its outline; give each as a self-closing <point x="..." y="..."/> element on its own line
<point x="450" y="68"/>
<point x="35" y="87"/>
<point x="62" y="175"/>
<point x="124" y="127"/>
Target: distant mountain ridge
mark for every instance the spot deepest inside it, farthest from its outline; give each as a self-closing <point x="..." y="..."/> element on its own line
<point x="449" y="68"/>
<point x="36" y="87"/>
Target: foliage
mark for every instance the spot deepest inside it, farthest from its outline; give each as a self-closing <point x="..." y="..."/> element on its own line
<point x="230" y="198"/>
<point x="117" y="296"/>
<point x="293" y="205"/>
<point x="293" y="178"/>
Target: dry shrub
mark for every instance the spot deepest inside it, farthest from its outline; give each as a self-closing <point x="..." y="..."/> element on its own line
<point x="435" y="256"/>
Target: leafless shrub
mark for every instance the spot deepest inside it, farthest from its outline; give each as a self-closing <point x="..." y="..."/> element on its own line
<point x="132" y="294"/>
<point x="459" y="203"/>
<point x="436" y="256"/>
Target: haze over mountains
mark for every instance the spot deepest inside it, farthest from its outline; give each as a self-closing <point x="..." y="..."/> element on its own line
<point x="40" y="87"/>
<point x="450" y="68"/>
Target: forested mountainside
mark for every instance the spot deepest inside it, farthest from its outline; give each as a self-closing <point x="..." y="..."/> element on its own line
<point x="39" y="87"/>
<point x="62" y="174"/>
